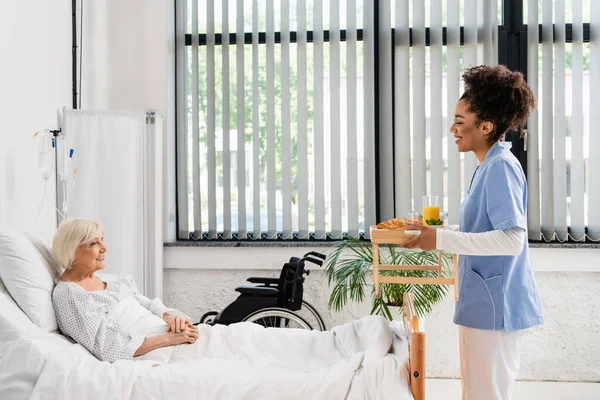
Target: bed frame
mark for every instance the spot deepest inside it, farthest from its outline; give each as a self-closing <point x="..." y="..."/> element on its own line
<point x="417" y="338"/>
<point x="416" y="347"/>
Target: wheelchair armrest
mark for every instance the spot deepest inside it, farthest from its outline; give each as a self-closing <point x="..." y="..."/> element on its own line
<point x="264" y="281"/>
<point x="316" y="261"/>
<point x="314" y="253"/>
<point x="257" y="291"/>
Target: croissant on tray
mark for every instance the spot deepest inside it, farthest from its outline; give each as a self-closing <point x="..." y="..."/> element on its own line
<point x="398" y="223"/>
<point x="395" y="223"/>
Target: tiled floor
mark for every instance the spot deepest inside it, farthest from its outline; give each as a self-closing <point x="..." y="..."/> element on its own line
<point x="449" y="389"/>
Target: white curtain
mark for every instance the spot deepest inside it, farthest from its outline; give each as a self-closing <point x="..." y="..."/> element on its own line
<point x="561" y="148"/>
<point x="118" y="163"/>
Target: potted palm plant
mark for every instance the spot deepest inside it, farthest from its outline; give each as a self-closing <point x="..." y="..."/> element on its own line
<point x="349" y="271"/>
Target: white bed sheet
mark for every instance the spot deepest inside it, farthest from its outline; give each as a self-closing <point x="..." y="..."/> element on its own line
<point x="225" y="365"/>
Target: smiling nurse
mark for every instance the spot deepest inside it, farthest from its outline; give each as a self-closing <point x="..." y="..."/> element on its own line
<point x="498" y="294"/>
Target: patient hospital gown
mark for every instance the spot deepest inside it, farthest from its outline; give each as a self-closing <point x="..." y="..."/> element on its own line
<point x="83" y="316"/>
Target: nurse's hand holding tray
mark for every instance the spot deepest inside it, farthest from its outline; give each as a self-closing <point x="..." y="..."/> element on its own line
<point x="424" y="237"/>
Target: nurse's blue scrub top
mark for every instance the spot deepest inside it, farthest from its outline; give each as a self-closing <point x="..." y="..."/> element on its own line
<point x="497" y="292"/>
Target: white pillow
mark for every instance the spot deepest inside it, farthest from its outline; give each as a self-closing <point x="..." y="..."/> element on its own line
<point x="44" y="246"/>
<point x="28" y="277"/>
<point x="24" y="349"/>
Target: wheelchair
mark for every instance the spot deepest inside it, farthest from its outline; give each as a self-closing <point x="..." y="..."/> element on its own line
<point x="274" y="302"/>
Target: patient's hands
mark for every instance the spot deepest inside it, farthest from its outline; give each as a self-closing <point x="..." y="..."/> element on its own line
<point x="176" y="323"/>
<point x="188" y="335"/>
<point x="180" y="330"/>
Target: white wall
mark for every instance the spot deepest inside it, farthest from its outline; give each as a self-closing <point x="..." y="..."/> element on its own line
<point x="35" y="82"/>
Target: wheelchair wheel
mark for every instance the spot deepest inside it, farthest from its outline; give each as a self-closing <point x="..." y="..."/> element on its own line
<point x="277" y="318"/>
<point x="311" y="315"/>
<point x="208" y="318"/>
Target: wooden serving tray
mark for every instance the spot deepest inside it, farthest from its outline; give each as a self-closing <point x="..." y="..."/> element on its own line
<point x="390" y="236"/>
<point x="399" y="236"/>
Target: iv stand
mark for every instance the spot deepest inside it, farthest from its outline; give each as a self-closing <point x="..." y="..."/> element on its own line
<point x="75" y="96"/>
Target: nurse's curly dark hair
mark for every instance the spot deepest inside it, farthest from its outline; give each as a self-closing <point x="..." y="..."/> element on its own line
<point x="498" y="95"/>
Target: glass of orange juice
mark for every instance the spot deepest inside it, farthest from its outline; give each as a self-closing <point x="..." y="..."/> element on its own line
<point x="431" y="208"/>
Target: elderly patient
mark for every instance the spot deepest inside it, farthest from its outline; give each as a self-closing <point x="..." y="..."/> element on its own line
<point x="83" y="301"/>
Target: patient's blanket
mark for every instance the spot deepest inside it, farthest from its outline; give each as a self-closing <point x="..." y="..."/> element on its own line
<point x="365" y="359"/>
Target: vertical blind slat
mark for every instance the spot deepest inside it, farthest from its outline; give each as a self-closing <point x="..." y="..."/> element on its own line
<point x="370" y="176"/>
<point x="594" y="182"/>
<point x="195" y="144"/>
<point x="319" y="179"/>
<point x="241" y="123"/>
<point x="435" y="100"/>
<point x="490" y="35"/>
<point x="271" y="171"/>
<point x="547" y="186"/>
<point x="560" y="162"/>
<point x="256" y="226"/>
<point x="418" y="110"/>
<point x="286" y="145"/>
<point x="402" y="145"/>
<point x="453" y="94"/>
<point x="225" y="137"/>
<point x="351" y="116"/>
<point x="302" y="178"/>
<point x="334" y="120"/>
<point x="494" y="28"/>
<point x="470" y="60"/>
<point x="182" y="112"/>
<point x="211" y="118"/>
<point x="577" y="164"/>
<point x="533" y="170"/>
<point x="385" y="153"/>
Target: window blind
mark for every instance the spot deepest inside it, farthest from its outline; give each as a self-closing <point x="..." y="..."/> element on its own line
<point x="275" y="129"/>
<point x="564" y="73"/>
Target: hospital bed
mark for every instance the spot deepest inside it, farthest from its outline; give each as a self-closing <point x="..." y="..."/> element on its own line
<point x="38" y="362"/>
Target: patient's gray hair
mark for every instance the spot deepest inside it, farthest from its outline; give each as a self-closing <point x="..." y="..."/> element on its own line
<point x="69" y="235"/>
